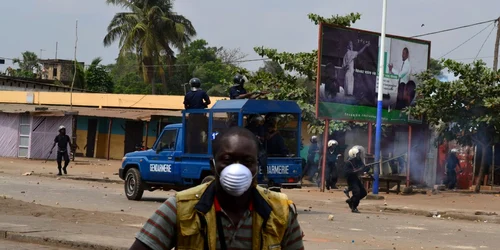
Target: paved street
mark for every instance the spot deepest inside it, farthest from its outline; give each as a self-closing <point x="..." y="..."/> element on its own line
<point x="102" y="203"/>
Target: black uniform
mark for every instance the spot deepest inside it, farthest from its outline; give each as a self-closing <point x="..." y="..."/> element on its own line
<point x="451" y="174"/>
<point x="260" y="132"/>
<point x="196" y="99"/>
<point x="236" y="91"/>
<point x="331" y="168"/>
<point x="62" y="151"/>
<point x="353" y="168"/>
<point x="311" y="166"/>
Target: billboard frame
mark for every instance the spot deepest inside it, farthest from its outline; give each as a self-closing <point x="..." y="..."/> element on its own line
<point x="320" y="49"/>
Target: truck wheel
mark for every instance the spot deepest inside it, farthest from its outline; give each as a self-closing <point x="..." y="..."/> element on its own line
<point x="208" y="179"/>
<point x="133" y="185"/>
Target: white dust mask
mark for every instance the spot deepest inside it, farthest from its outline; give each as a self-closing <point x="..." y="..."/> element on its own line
<point x="236" y="179"/>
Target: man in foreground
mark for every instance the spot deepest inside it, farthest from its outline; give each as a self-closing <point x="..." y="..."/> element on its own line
<point x="63" y="141"/>
<point x="231" y="212"/>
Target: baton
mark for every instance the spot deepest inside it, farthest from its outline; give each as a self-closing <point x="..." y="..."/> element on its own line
<point x="48" y="156"/>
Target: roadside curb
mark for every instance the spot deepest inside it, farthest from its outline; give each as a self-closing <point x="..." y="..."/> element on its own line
<point x="78" y="178"/>
<point x="48" y="241"/>
<point x="443" y="214"/>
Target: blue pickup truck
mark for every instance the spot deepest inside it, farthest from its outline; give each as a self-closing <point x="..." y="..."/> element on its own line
<point x="180" y="157"/>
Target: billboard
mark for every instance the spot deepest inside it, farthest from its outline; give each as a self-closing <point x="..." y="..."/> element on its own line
<point x="347" y="84"/>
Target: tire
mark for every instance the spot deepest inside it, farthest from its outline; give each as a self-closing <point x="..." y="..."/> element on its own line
<point x="208" y="179"/>
<point x="133" y="185"/>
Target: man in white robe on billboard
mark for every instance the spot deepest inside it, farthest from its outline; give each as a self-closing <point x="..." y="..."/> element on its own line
<point x="348" y="65"/>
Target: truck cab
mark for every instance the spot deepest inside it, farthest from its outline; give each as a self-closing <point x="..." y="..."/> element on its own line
<point x="180" y="157"/>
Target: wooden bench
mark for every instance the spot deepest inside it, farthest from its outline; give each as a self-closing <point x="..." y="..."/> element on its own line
<point x="367" y="180"/>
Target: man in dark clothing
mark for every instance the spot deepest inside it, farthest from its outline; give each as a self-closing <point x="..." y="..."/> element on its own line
<point x="62" y="140"/>
<point x="311" y="165"/>
<point x="451" y="174"/>
<point x="255" y="125"/>
<point x="197" y="124"/>
<point x="331" y="165"/>
<point x="275" y="143"/>
<point x="196" y="98"/>
<point x="353" y="168"/>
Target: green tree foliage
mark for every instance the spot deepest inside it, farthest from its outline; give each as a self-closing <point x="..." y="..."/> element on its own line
<point x="465" y="110"/>
<point x="126" y="76"/>
<point x="151" y="29"/>
<point x="97" y="77"/>
<point x="27" y="65"/>
<point x="212" y="65"/>
<point x="298" y="87"/>
<point x="435" y="67"/>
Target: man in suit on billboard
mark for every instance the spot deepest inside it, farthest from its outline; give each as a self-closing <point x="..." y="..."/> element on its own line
<point x="406" y="86"/>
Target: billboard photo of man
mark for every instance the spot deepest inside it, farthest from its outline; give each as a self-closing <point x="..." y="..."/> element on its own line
<point x="407" y="60"/>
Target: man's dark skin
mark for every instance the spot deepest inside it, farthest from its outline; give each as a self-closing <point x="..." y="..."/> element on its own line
<point x="233" y="149"/>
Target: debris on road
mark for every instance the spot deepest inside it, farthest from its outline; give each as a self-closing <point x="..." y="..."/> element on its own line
<point x="330" y="217"/>
<point x="27" y="173"/>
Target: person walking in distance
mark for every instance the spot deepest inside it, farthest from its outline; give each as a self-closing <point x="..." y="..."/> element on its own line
<point x="353" y="168"/>
<point x="451" y="173"/>
<point x="312" y="165"/>
<point x="331" y="165"/>
<point x="62" y="140"/>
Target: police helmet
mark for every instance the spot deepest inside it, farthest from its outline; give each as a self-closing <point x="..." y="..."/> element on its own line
<point x="332" y="142"/>
<point x="61" y="128"/>
<point x="314" y="139"/>
<point x="239" y="79"/>
<point x="353" y="152"/>
<point x="258" y="119"/>
<point x="195" y="83"/>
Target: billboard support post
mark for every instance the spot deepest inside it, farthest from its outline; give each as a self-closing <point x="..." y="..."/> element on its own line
<point x="381" y="67"/>
<point x="323" y="159"/>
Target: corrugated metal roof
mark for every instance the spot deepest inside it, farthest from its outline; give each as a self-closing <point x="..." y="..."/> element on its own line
<point x="46" y="110"/>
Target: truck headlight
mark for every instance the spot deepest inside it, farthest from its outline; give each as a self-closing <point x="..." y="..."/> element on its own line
<point x="123" y="159"/>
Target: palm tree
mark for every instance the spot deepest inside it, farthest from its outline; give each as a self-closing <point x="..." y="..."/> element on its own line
<point x="152" y="30"/>
<point x="28" y="64"/>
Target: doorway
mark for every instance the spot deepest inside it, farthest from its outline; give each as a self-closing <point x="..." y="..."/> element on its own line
<point x="91" y="137"/>
<point x="133" y="135"/>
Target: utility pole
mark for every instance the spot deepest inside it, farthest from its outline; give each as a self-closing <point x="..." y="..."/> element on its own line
<point x="56" y="50"/>
<point x="41" y="51"/>
<point x="497" y="43"/>
<point x="74" y="74"/>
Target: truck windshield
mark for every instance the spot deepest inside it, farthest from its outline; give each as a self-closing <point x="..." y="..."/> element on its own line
<point x="196" y="133"/>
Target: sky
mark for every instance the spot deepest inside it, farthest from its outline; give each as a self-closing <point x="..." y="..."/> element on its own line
<point x="282" y="24"/>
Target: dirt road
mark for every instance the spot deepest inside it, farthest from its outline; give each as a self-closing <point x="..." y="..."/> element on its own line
<point x="92" y="204"/>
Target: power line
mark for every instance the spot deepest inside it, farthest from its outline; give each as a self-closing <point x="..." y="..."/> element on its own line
<point x="482" y="45"/>
<point x="465" y="41"/>
<point x="456" y="28"/>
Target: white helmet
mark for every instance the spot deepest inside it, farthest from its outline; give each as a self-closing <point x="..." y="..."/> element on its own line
<point x="332" y="142"/>
<point x="454" y="150"/>
<point x="61" y="127"/>
<point x="353" y="152"/>
<point x="314" y="139"/>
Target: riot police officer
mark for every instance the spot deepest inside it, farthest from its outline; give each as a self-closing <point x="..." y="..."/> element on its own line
<point x="353" y="168"/>
<point x="311" y="165"/>
<point x="196" y="98"/>
<point x="331" y="164"/>
<point x="197" y="124"/>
